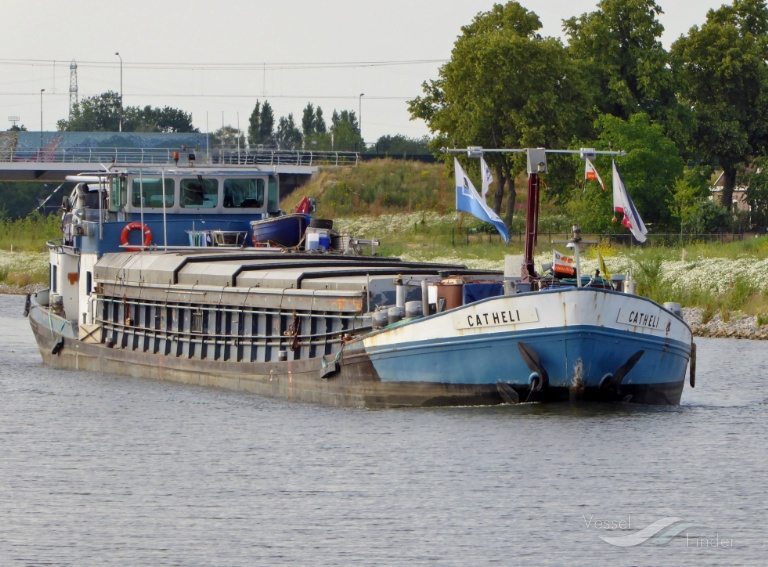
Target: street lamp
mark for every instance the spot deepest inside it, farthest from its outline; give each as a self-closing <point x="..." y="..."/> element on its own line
<point x="41" y="120"/>
<point x="120" y="124"/>
<point x="360" y="114"/>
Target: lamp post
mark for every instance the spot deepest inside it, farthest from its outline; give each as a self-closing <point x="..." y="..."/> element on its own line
<point x="120" y="124"/>
<point x="360" y="118"/>
<point x="41" y="124"/>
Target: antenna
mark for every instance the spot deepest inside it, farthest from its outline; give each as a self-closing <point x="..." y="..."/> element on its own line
<point x="72" y="86"/>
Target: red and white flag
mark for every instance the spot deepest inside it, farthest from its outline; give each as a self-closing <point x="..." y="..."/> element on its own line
<point x="623" y="204"/>
<point x="591" y="174"/>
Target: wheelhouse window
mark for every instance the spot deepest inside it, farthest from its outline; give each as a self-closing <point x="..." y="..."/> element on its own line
<point x="148" y="192"/>
<point x="117" y="193"/>
<point x="273" y="202"/>
<point x="199" y="193"/>
<point x="243" y="193"/>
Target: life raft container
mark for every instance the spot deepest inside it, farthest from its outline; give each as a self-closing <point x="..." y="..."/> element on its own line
<point x="135" y="226"/>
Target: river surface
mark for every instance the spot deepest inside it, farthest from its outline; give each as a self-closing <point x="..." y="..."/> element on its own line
<point x="99" y="470"/>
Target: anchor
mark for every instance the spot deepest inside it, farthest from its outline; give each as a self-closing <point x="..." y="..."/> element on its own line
<point x="540" y="380"/>
<point x="58" y="346"/>
<point x="507" y="393"/>
<point x="610" y="385"/>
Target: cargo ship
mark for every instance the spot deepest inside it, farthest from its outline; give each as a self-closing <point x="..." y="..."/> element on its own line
<point x="192" y="274"/>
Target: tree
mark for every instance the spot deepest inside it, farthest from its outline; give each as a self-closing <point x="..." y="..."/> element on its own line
<point x="150" y="119"/>
<point x="102" y="114"/>
<point x="228" y="136"/>
<point x="170" y="119"/>
<point x="756" y="181"/>
<point x="650" y="168"/>
<point x="315" y="133"/>
<point x="319" y="122"/>
<point x="620" y="48"/>
<point x="266" y="125"/>
<point x="19" y="199"/>
<point x="254" y="124"/>
<point x="288" y="136"/>
<point x="346" y="131"/>
<point x="506" y="86"/>
<point x="690" y="197"/>
<point x="725" y="81"/>
<point x="99" y="113"/>
<point x="308" y="120"/>
<point x="399" y="145"/>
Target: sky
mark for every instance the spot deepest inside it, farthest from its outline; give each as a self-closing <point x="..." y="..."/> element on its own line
<point x="216" y="59"/>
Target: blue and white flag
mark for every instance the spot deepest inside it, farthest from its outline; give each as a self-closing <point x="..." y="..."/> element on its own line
<point x="468" y="200"/>
<point x="485" y="173"/>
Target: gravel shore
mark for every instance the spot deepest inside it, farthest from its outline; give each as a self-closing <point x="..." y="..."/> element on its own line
<point x="738" y="325"/>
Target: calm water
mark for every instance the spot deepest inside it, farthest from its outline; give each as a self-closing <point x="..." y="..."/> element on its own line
<point x="104" y="470"/>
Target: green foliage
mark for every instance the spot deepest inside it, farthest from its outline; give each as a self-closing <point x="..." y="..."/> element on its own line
<point x="724" y="78"/>
<point x="227" y="136"/>
<point x="288" y="136"/>
<point x="591" y="209"/>
<point x="308" y="120"/>
<point x="376" y="187"/>
<point x="346" y="132"/>
<point x="19" y="199"/>
<point x="690" y="205"/>
<point x="650" y="168"/>
<point x="756" y="181"/>
<point x="506" y="86"/>
<point x="619" y="46"/>
<point x="254" y="124"/>
<point x="266" y="126"/>
<point x="708" y="217"/>
<point x="29" y="233"/>
<point x="400" y="145"/>
<point x="101" y="113"/>
<point x="647" y="274"/>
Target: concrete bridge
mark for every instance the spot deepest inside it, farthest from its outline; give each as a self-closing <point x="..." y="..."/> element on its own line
<point x="51" y="156"/>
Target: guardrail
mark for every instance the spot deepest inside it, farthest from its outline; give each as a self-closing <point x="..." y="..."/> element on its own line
<point x="166" y="156"/>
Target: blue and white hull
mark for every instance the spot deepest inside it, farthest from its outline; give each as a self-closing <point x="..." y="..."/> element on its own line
<point x="583" y="343"/>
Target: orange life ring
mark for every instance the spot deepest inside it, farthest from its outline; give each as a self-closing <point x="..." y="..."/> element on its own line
<point x="135" y="225"/>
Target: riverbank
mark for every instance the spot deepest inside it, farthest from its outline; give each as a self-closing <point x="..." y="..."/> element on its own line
<point x="736" y="325"/>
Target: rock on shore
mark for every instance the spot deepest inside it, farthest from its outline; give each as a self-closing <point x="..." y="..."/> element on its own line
<point x="738" y="325"/>
<point x="16" y="290"/>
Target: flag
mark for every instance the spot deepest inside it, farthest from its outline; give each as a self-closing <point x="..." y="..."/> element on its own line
<point x="562" y="265"/>
<point x="591" y="174"/>
<point x="603" y="269"/>
<point x="467" y="199"/>
<point x="623" y="204"/>
<point x="485" y="172"/>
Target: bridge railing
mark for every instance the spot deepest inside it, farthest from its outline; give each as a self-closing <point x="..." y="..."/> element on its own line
<point x="284" y="157"/>
<point x="166" y="156"/>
